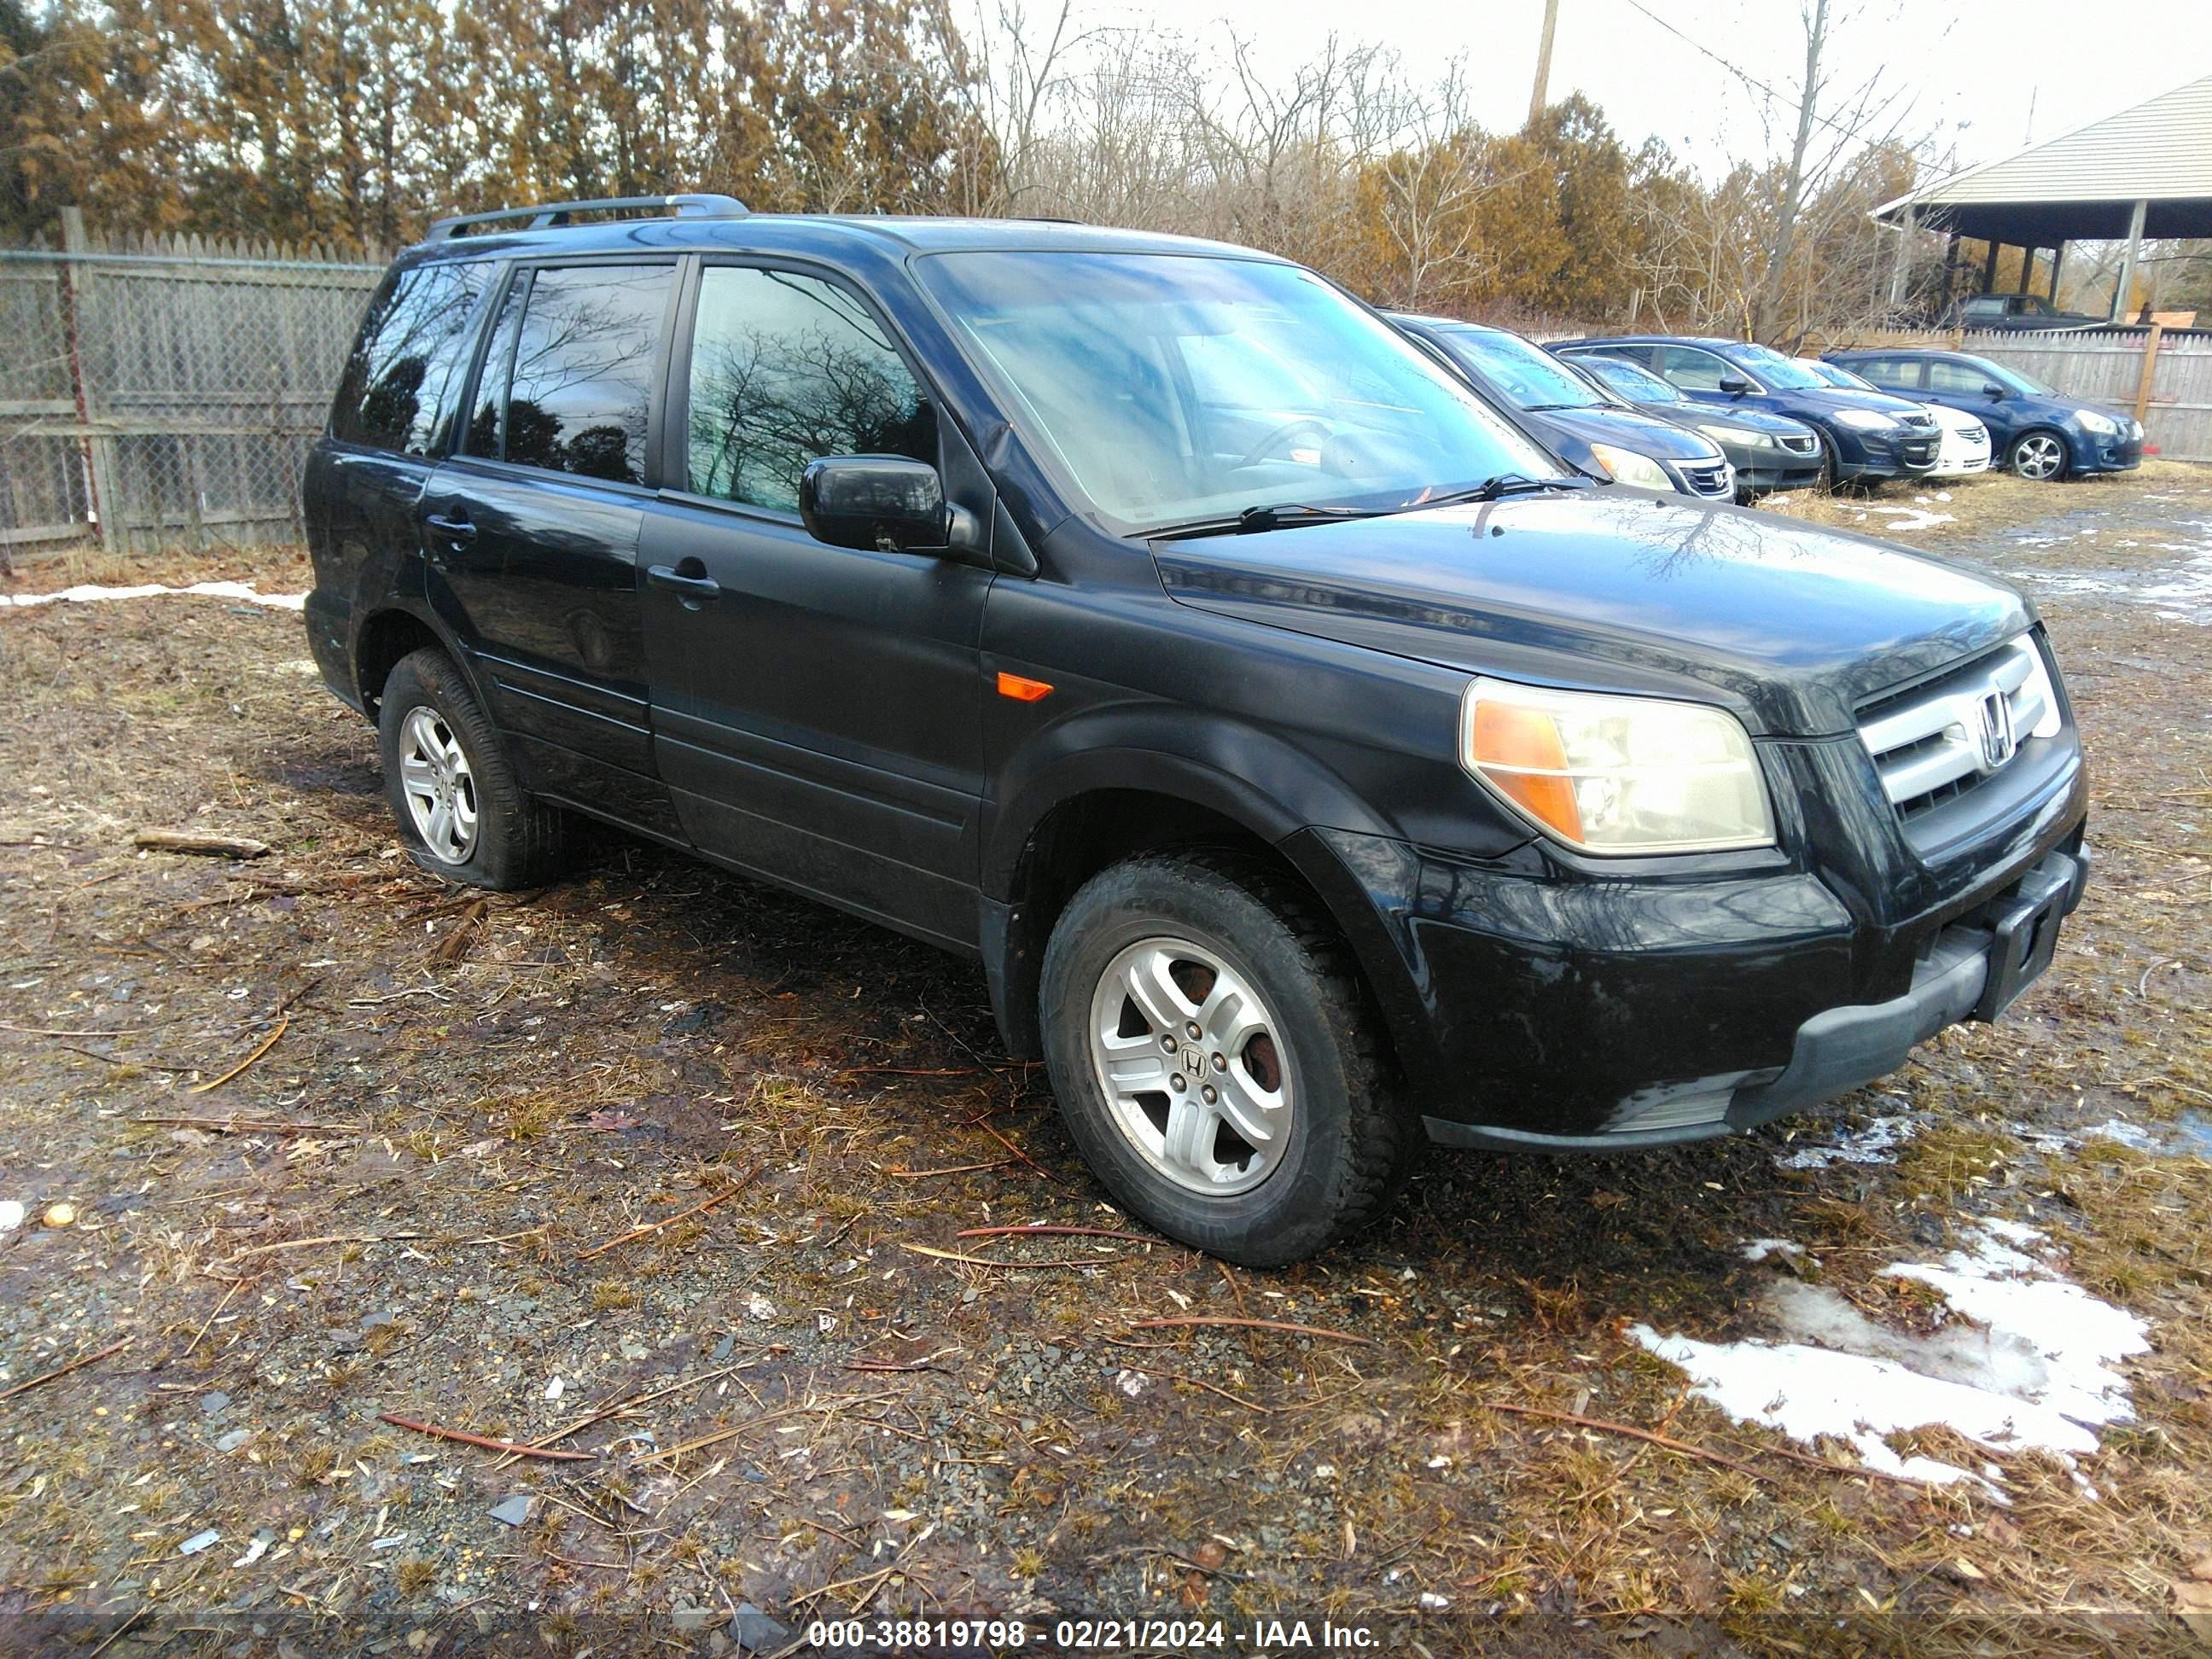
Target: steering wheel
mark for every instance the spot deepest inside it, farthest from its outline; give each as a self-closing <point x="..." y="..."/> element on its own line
<point x="1281" y="435"/>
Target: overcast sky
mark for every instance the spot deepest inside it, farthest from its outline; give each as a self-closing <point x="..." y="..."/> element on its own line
<point x="1972" y="66"/>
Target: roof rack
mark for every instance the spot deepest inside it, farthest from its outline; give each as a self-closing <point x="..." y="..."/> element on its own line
<point x="548" y="213"/>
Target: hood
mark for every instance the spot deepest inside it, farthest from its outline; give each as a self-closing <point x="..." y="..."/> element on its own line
<point x="1791" y="626"/>
<point x="1828" y="400"/>
<point x="1626" y="429"/>
<point x="1743" y="415"/>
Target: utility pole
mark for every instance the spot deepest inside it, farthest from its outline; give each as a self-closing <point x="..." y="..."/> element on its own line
<point x="1537" y="99"/>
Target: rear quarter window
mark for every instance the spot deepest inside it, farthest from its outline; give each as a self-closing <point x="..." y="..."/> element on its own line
<point x="407" y="366"/>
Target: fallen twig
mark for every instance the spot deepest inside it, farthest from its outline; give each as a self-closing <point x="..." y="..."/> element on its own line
<point x="485" y="1440"/>
<point x="187" y="841"/>
<point x="252" y="1125"/>
<point x="750" y="1423"/>
<point x="236" y="1285"/>
<point x="651" y="1227"/>
<point x="263" y="1047"/>
<point x="1253" y="1324"/>
<point x="1233" y="1399"/>
<point x="1018" y="1153"/>
<point x="615" y="1408"/>
<point x="309" y="1243"/>
<point x="1053" y="1231"/>
<point x="455" y="943"/>
<point x="48" y="1031"/>
<point x="986" y="1261"/>
<point x="1689" y="1450"/>
<point x="78" y="1363"/>
<point x="957" y="1169"/>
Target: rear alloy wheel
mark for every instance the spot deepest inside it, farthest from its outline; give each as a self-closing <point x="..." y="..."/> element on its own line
<point x="2040" y="456"/>
<point x="461" y="812"/>
<point x="1216" y="1059"/>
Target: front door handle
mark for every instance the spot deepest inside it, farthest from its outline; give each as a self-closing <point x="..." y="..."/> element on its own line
<point x="688" y="580"/>
<point x="456" y="532"/>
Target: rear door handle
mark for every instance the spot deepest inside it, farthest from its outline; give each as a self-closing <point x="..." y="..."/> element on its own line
<point x="695" y="589"/>
<point x="456" y="531"/>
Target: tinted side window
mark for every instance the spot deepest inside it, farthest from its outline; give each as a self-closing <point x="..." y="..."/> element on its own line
<point x="1693" y="370"/>
<point x="583" y="370"/>
<point x="1903" y="373"/>
<point x="403" y="368"/>
<point x="1956" y="377"/>
<point x="1983" y="311"/>
<point x="787" y="369"/>
<point x="481" y="436"/>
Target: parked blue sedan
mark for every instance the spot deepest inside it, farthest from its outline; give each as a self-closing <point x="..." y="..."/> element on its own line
<point x="1870" y="436"/>
<point x="2040" y="432"/>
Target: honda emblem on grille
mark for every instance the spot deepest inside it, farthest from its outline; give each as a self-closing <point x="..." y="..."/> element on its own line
<point x="1997" y="734"/>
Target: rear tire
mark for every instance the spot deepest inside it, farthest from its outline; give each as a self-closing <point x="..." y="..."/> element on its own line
<point x="1288" y="1049"/>
<point x="461" y="813"/>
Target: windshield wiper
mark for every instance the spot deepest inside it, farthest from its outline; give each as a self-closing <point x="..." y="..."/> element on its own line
<point x="1490" y="489"/>
<point x="1254" y="520"/>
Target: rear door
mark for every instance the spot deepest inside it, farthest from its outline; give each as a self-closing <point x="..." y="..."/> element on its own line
<point x="530" y="529"/>
<point x="816" y="710"/>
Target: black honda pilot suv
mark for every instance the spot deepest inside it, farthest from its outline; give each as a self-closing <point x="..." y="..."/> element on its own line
<point x="1314" y="765"/>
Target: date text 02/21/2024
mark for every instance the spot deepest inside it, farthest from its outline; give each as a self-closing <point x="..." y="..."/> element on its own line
<point x="1093" y="1635"/>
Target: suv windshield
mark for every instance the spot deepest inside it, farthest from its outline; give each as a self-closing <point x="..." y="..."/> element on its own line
<point x="1632" y="380"/>
<point x="1782" y="374"/>
<point x="1528" y="375"/>
<point x="1171" y="387"/>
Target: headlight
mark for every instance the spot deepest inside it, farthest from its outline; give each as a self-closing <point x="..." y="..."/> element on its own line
<point x="2093" y="422"/>
<point x="1864" y="420"/>
<point x="1631" y="468"/>
<point x="1617" y="774"/>
<point x="1736" y="435"/>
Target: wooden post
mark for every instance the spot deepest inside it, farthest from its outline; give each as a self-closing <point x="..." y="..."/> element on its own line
<point x="2149" y="370"/>
<point x="2127" y="281"/>
<point x="1540" y="96"/>
<point x="98" y="448"/>
<point x="2056" y="254"/>
<point x="1989" y="270"/>
<point x="1900" y="267"/>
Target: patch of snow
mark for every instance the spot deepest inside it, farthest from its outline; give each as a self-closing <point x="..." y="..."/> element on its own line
<point x="1759" y="1249"/>
<point x="1910" y="518"/>
<point x="1876" y="1143"/>
<point x="2030" y="1363"/>
<point x="2126" y="1134"/>
<point x="92" y="593"/>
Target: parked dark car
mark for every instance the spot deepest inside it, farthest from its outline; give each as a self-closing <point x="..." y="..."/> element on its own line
<point x="2036" y="429"/>
<point x="1867" y="437"/>
<point x="1313" y="766"/>
<point x="1768" y="452"/>
<point x="1576" y="418"/>
<point x="2011" y="313"/>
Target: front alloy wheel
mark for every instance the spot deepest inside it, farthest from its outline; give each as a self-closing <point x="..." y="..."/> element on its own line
<point x="2040" y="456"/>
<point x="1217" y="1059"/>
<point x="1185" y="1053"/>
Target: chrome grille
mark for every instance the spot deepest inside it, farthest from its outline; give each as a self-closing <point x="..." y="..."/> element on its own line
<point x="1918" y="417"/>
<point x="1936" y="741"/>
<point x="1708" y="479"/>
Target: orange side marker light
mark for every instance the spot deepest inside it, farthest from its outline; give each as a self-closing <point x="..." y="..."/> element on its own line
<point x="1023" y="691"/>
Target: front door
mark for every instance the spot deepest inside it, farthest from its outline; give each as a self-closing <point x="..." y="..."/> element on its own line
<point x="532" y="530"/>
<point x="816" y="710"/>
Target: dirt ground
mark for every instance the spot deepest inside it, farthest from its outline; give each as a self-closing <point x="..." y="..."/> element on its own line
<point x="344" y="1146"/>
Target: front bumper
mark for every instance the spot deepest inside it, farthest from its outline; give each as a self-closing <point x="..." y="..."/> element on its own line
<point x="1542" y="1007"/>
<point x="1775" y="470"/>
<point x="2092" y="453"/>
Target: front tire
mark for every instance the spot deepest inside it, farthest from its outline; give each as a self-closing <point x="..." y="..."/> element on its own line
<point x="2039" y="456"/>
<point x="1216" y="1061"/>
<point x="461" y="811"/>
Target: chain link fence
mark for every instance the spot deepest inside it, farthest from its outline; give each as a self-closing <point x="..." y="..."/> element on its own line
<point x="164" y="395"/>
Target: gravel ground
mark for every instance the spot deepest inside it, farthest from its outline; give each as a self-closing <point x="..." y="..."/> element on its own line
<point x="684" y="1175"/>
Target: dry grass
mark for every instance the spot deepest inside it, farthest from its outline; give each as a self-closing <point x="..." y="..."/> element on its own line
<point x="615" y="1049"/>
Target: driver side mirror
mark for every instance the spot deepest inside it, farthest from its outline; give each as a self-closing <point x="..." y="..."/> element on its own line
<point x="883" y="504"/>
<point x="1735" y="384"/>
<point x="1991" y="389"/>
